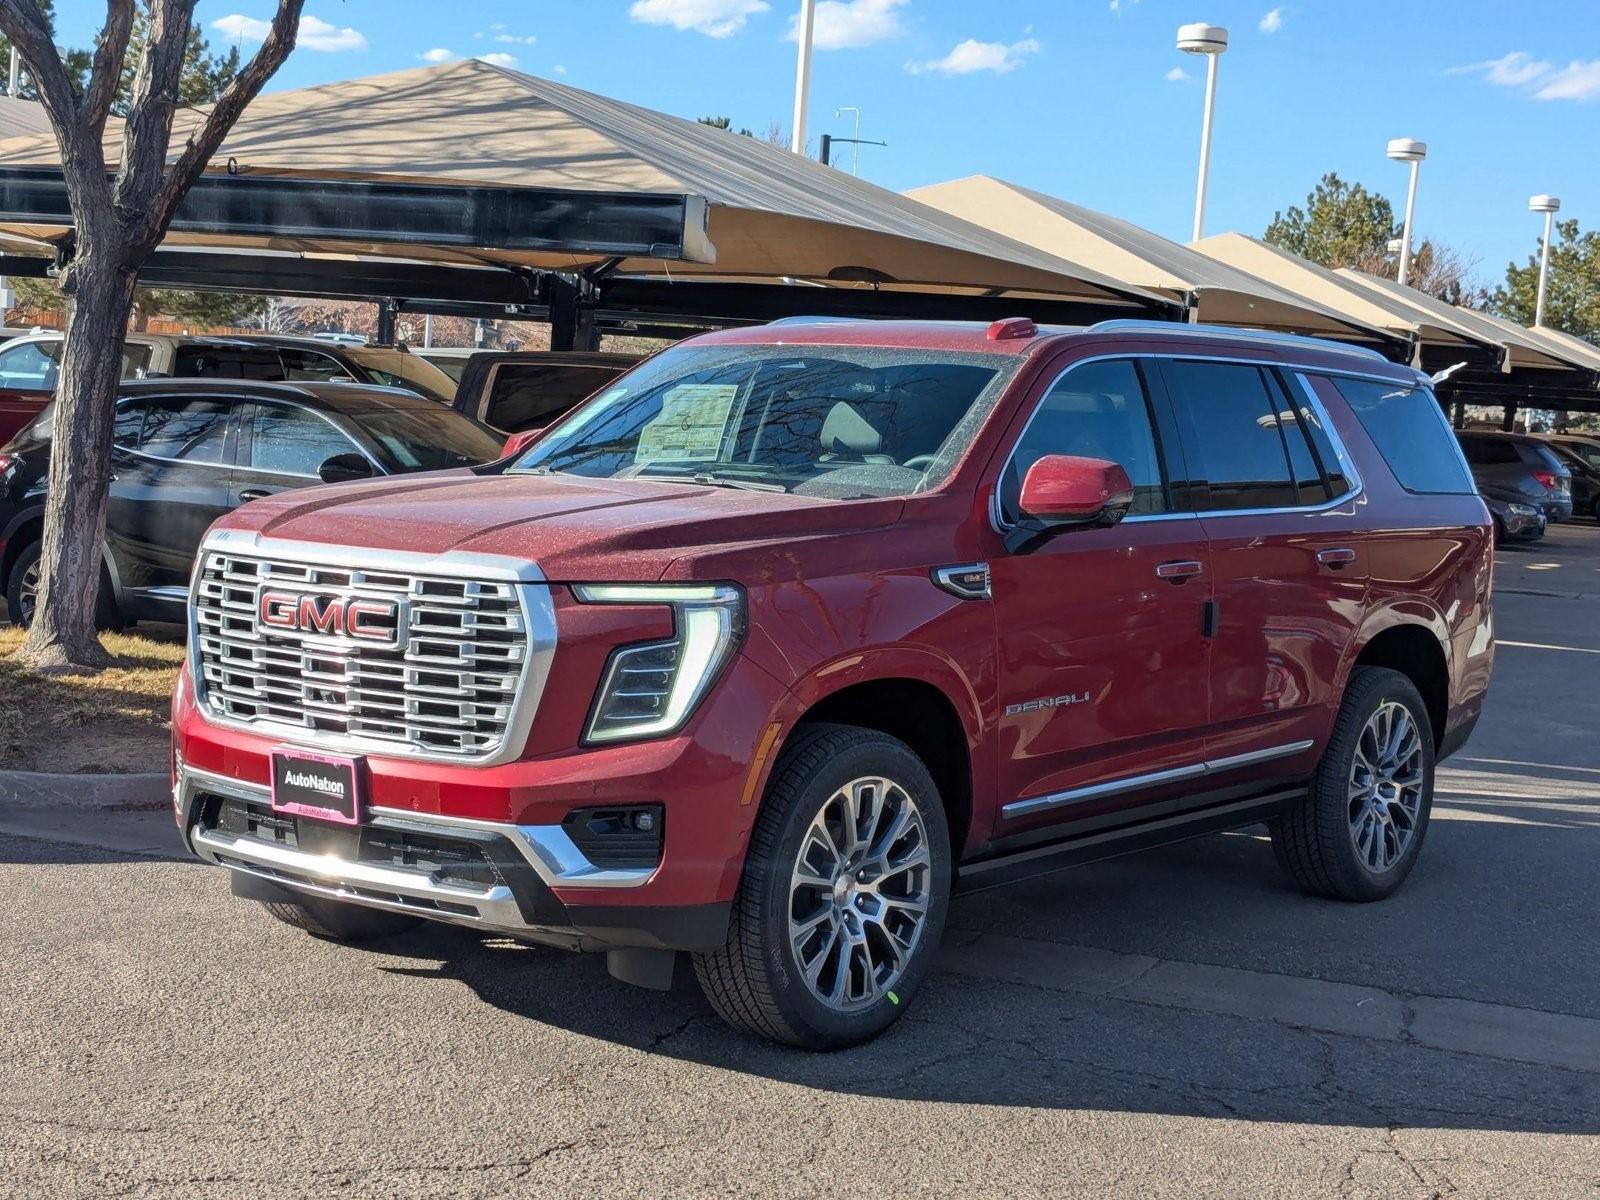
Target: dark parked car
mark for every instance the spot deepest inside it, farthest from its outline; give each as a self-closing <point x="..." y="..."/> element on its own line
<point x="516" y="392"/>
<point x="1514" y="519"/>
<point x="30" y="366"/>
<point x="1522" y="465"/>
<point x="189" y="451"/>
<point x="1585" y="469"/>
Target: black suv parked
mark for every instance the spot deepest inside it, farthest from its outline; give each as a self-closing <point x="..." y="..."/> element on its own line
<point x="188" y="451"/>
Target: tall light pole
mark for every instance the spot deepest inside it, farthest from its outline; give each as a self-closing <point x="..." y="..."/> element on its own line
<point x="802" y="74"/>
<point x="1549" y="206"/>
<point x="1211" y="41"/>
<point x="1412" y="151"/>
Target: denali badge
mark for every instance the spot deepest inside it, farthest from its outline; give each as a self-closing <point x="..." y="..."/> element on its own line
<point x="1044" y="702"/>
<point x="364" y="620"/>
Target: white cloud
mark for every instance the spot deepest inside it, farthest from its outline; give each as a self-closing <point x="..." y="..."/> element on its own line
<point x="714" y="18"/>
<point x="558" y="69"/>
<point x="1120" y="6"/>
<point x="972" y="56"/>
<point x="1575" y="81"/>
<point x="315" y="33"/>
<point x="511" y="39"/>
<point x="1509" y="70"/>
<point x="1272" y="21"/>
<point x="1176" y="75"/>
<point x="847" y="24"/>
<point x="437" y="55"/>
<point x="499" y="59"/>
<point x="240" y="28"/>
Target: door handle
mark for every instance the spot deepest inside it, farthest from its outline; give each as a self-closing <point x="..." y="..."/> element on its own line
<point x="250" y="494"/>
<point x="1177" y="572"/>
<point x="1336" y="557"/>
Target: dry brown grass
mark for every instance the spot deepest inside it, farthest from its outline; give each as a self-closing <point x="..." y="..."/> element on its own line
<point x="115" y="720"/>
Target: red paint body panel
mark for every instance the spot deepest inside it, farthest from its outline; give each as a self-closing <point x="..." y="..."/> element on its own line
<point x="18" y="408"/>
<point x="839" y="593"/>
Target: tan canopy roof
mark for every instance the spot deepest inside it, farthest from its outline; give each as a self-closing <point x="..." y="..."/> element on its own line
<point x="1224" y="294"/>
<point x="19" y="118"/>
<point x="1295" y="274"/>
<point x="772" y="214"/>
<point x="1522" y="348"/>
<point x="1580" y="350"/>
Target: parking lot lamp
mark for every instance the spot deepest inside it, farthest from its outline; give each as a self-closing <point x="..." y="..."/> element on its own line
<point x="802" y="74"/>
<point x="1211" y="41"/>
<point x="1549" y="206"/>
<point x="1412" y="151"/>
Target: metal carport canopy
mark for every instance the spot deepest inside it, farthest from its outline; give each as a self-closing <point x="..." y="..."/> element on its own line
<point x="769" y="214"/>
<point x="1430" y="331"/>
<point x="1220" y="293"/>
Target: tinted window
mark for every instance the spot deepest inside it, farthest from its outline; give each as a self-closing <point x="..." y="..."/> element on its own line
<point x="1097" y="410"/>
<point x="129" y="421"/>
<point x="227" y="362"/>
<point x="28" y="367"/>
<point x="1588" y="451"/>
<point x="135" y="358"/>
<point x="1409" y="429"/>
<point x="292" y="441"/>
<point x="309" y="364"/>
<point x="1310" y="422"/>
<point x="1238" y="445"/>
<point x="1490" y="452"/>
<point x="189" y="430"/>
<point x="528" y="395"/>
<point x="414" y="434"/>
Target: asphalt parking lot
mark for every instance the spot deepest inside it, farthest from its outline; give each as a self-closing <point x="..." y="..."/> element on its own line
<point x="1178" y="1023"/>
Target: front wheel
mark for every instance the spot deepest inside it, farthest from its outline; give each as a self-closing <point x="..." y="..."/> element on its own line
<point x="1357" y="832"/>
<point x="22" y="593"/>
<point x="844" y="894"/>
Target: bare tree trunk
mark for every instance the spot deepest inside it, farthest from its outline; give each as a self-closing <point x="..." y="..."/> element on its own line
<point x="62" y="635"/>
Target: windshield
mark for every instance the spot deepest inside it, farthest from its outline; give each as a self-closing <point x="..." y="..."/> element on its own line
<point x="842" y="422"/>
<point x="399" y="368"/>
<point x="421" y="436"/>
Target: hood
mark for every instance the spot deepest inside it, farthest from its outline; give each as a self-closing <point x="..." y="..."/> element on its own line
<point x="576" y="529"/>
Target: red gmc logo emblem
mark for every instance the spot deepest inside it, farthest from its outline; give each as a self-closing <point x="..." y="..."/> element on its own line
<point x="361" y="620"/>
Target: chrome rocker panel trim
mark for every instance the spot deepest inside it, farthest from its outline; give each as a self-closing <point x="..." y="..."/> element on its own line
<point x="1133" y="783"/>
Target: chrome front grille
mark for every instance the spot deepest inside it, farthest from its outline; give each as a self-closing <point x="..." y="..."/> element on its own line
<point x="448" y="687"/>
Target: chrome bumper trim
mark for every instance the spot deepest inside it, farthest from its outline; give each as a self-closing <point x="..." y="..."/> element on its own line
<point x="547" y="848"/>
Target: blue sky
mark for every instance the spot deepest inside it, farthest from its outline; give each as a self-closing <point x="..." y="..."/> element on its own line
<point x="1071" y="97"/>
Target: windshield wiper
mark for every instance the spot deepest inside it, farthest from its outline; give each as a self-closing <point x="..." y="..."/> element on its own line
<point x="730" y="481"/>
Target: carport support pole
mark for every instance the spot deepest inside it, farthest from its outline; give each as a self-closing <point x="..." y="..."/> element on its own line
<point x="385" y="333"/>
<point x="1509" y="423"/>
<point x="571" y="324"/>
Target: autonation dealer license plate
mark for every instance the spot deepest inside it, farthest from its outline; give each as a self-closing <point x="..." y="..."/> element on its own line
<point x="324" y="786"/>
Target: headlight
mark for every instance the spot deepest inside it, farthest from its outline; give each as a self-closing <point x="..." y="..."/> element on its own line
<point x="1523" y="510"/>
<point x="651" y="688"/>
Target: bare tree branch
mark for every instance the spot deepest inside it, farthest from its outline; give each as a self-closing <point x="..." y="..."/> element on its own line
<point x="148" y="128"/>
<point x="24" y="24"/>
<point x="106" y="72"/>
<point x="244" y="88"/>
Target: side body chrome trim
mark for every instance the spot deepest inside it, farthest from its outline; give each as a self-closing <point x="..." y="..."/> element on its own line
<point x="1308" y="395"/>
<point x="966" y="581"/>
<point x="1133" y="783"/>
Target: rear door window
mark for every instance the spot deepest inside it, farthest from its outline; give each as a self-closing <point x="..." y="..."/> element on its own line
<point x="28" y="367"/>
<point x="1411" y="432"/>
<point x="185" y="430"/>
<point x="227" y="362"/>
<point x="1236" y="444"/>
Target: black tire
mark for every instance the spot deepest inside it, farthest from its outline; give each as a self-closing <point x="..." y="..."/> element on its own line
<point x="335" y="921"/>
<point x="1313" y="838"/>
<point x="1499" y="531"/>
<point x="106" y="616"/>
<point x="755" y="981"/>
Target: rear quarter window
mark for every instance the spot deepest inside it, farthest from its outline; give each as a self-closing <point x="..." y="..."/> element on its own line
<point x="1410" y="431"/>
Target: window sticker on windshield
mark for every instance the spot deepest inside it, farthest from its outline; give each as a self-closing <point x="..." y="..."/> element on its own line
<point x="694" y="417"/>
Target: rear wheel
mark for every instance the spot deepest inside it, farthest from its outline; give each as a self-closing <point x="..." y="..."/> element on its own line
<point x="844" y="894"/>
<point x="1357" y="832"/>
<point x="22" y="593"/>
<point x="335" y="921"/>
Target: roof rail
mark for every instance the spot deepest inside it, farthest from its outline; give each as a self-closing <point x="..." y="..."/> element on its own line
<point x="1265" y="336"/>
<point x="817" y="319"/>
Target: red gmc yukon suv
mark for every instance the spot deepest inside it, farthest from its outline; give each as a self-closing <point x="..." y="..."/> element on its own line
<point x="794" y="631"/>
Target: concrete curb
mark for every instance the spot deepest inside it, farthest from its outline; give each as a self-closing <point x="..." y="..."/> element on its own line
<point x="127" y="793"/>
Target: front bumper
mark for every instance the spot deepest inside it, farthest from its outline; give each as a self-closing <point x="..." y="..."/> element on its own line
<point x="486" y="875"/>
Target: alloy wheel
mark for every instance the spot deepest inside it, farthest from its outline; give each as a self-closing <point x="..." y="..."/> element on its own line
<point x="1386" y="778"/>
<point x="859" y="893"/>
<point x="28" y="595"/>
